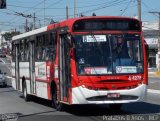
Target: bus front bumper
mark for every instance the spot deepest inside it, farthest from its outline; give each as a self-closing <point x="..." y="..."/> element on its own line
<point x="81" y="95"/>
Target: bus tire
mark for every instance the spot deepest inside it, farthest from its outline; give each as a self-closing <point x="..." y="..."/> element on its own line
<point x="55" y="102"/>
<point x="25" y="95"/>
<point x="115" y="107"/>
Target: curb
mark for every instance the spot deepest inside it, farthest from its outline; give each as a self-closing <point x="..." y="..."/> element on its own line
<point x="154" y="74"/>
<point x="153" y="91"/>
<point x="158" y="73"/>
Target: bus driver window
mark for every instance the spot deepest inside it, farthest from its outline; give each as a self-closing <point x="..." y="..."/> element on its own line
<point x="120" y="48"/>
<point x="120" y="52"/>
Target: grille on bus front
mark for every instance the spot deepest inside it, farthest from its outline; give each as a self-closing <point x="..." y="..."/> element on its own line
<point x="113" y="87"/>
<point x="105" y="98"/>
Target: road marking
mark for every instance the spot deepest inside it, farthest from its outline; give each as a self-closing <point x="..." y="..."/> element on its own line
<point x="2" y="61"/>
<point x="153" y="91"/>
<point x="152" y="82"/>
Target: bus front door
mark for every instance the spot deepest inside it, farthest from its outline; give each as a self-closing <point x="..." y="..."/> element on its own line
<point x="64" y="64"/>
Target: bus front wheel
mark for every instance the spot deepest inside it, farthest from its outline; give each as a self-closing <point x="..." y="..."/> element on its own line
<point x="55" y="102"/>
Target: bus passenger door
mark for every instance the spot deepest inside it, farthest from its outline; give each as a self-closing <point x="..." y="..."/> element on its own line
<point x="64" y="65"/>
<point x="17" y="67"/>
<point x="32" y="67"/>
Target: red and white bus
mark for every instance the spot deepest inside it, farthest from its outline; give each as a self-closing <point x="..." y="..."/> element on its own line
<point x="88" y="60"/>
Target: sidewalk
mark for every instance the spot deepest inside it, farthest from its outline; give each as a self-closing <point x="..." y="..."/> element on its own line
<point x="154" y="74"/>
<point x="154" y="82"/>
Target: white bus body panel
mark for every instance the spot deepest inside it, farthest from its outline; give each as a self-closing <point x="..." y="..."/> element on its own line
<point x="80" y="95"/>
<point x="40" y="73"/>
<point x="40" y="70"/>
<point x="24" y="69"/>
<point x="14" y="83"/>
<point x="28" y="86"/>
<point x="41" y="89"/>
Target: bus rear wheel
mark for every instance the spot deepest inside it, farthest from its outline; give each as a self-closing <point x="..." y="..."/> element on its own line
<point x="55" y="102"/>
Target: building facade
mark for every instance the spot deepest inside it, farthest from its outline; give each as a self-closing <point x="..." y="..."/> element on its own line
<point x="4" y="45"/>
<point x="151" y="34"/>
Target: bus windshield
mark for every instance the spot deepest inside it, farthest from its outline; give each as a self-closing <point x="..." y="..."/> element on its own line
<point x="108" y="54"/>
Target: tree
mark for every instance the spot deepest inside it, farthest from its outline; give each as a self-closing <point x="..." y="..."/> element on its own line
<point x="6" y="47"/>
<point x="8" y="35"/>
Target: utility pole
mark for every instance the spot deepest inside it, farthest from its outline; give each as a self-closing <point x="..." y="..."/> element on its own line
<point x="26" y="27"/>
<point x="139" y="9"/>
<point x="26" y="21"/>
<point x="44" y="12"/>
<point x="66" y="12"/>
<point x="34" y="21"/>
<point x="39" y="23"/>
<point x="155" y="12"/>
<point x="67" y="9"/>
<point x="74" y="8"/>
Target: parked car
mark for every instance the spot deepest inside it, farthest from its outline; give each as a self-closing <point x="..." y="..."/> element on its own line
<point x="3" y="82"/>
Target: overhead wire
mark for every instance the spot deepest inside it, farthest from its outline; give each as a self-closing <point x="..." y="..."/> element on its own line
<point x="15" y="16"/>
<point x="114" y="3"/>
<point x="109" y="3"/>
<point x="48" y="7"/>
<point x="127" y="6"/>
<point x="27" y="10"/>
<point x="51" y="8"/>
<point x="38" y="19"/>
<point x="148" y="7"/>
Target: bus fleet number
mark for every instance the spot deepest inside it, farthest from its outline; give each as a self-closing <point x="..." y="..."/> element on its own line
<point x="134" y="78"/>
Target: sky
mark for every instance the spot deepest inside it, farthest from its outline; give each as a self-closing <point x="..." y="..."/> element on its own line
<point x="13" y="16"/>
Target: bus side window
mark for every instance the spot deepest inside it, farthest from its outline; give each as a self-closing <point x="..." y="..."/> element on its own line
<point x="21" y="50"/>
<point x="45" y="47"/>
<point x="43" y="51"/>
<point x="38" y="48"/>
<point x="50" y="53"/>
<point x="51" y="47"/>
<point x="26" y="52"/>
<point x="39" y="54"/>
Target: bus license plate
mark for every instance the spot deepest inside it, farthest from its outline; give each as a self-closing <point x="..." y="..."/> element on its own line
<point x="113" y="95"/>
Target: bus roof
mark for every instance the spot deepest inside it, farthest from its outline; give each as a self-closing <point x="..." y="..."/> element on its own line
<point x="71" y="21"/>
<point x="30" y="33"/>
<point x="68" y="23"/>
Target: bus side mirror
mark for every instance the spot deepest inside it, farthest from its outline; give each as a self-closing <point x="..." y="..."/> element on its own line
<point x="69" y="40"/>
<point x="147" y="50"/>
<point x="72" y="52"/>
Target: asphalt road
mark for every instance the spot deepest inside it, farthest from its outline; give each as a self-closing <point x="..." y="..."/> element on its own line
<point x="154" y="83"/>
<point x="13" y="105"/>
